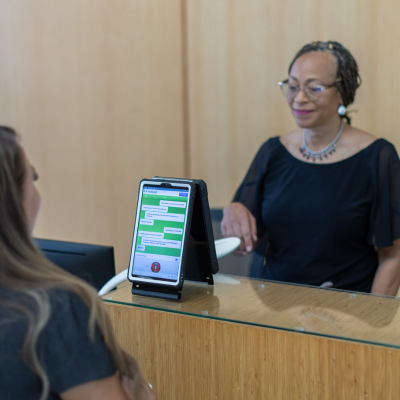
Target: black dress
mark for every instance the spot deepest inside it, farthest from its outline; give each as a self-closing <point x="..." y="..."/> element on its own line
<point x="67" y="354"/>
<point x="321" y="222"/>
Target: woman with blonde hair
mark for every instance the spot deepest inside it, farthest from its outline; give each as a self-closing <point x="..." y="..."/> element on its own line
<point x="56" y="339"/>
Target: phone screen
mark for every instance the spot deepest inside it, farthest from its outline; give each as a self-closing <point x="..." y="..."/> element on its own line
<point x="160" y="229"/>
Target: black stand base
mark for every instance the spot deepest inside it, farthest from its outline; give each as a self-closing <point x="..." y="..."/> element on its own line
<point x="161" y="292"/>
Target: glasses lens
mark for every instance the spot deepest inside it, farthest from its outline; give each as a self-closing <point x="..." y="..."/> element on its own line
<point x="283" y="87"/>
<point x="288" y="90"/>
<point x="312" y="92"/>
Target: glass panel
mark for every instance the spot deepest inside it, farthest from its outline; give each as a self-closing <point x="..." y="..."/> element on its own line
<point x="326" y="312"/>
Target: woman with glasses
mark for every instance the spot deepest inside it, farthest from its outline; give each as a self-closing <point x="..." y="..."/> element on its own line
<point x="322" y="203"/>
<point x="56" y="339"/>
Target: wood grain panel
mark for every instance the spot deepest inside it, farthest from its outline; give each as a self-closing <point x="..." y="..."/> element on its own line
<point x="338" y="314"/>
<point x="196" y="358"/>
<point x="95" y="89"/>
<point x="239" y="49"/>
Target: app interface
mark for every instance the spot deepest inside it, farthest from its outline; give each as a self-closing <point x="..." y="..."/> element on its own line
<point x="158" y="249"/>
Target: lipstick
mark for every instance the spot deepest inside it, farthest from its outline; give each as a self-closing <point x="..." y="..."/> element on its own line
<point x="302" y="112"/>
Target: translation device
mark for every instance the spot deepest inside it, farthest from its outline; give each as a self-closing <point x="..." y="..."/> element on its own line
<point x="160" y="236"/>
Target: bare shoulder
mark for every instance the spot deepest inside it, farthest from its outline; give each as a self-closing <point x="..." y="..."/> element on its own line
<point x="357" y="138"/>
<point x="292" y="139"/>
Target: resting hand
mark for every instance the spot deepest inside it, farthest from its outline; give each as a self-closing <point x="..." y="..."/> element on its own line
<point x="127" y="384"/>
<point x="238" y="221"/>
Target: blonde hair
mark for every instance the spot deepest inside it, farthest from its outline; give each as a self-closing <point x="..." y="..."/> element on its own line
<point x="23" y="269"/>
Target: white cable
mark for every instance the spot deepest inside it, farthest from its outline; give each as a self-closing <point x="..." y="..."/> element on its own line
<point x="222" y="248"/>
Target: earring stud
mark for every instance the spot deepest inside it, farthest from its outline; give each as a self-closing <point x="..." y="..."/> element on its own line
<point x="342" y="110"/>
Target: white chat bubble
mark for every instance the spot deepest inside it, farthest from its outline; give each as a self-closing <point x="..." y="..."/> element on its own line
<point x="172" y="244"/>
<point x="155" y="235"/>
<point x="147" y="221"/>
<point x="180" y="204"/>
<point x="140" y="247"/>
<point x="175" y="231"/>
<point x="165" y="217"/>
<point x="154" y="208"/>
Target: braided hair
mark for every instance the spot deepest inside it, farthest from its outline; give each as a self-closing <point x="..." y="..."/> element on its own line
<point x="347" y="68"/>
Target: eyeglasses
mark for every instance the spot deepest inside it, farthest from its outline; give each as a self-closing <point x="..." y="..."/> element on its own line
<point x="312" y="92"/>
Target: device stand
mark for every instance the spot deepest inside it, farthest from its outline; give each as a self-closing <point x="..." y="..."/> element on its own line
<point x="162" y="292"/>
<point x="197" y="266"/>
<point x="201" y="261"/>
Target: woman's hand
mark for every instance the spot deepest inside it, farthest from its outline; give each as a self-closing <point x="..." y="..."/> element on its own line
<point x="239" y="221"/>
<point x="127" y="384"/>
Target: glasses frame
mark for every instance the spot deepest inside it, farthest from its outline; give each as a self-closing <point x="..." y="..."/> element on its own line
<point x="301" y="89"/>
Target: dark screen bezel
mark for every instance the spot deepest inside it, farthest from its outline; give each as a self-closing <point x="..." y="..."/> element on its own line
<point x="162" y="185"/>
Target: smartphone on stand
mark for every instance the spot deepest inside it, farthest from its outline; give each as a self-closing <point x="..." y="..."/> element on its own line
<point x="160" y="236"/>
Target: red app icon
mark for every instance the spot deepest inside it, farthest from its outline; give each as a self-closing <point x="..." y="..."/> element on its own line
<point x="155" y="267"/>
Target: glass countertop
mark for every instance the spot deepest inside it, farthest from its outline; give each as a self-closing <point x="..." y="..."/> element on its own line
<point x="332" y="313"/>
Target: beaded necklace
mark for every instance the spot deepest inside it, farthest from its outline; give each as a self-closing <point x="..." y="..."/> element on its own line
<point x="331" y="148"/>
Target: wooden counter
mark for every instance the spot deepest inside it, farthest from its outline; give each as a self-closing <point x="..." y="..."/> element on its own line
<point x="248" y="339"/>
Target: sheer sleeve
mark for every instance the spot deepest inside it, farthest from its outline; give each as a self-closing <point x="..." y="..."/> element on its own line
<point x="250" y="191"/>
<point x="385" y="211"/>
<point x="69" y="356"/>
